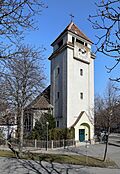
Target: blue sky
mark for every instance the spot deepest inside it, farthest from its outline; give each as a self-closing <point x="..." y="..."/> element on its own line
<point x="52" y="22"/>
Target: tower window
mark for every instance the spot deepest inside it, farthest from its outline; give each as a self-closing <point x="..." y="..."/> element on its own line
<point x="86" y="44"/>
<point x="57" y="123"/>
<point x="81" y="72"/>
<point x="73" y="39"/>
<point x="58" y="95"/>
<point x="79" y="41"/>
<point x="60" y="43"/>
<point x="81" y="95"/>
<point x="58" y="70"/>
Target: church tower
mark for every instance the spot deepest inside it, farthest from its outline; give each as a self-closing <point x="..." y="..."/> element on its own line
<point x="72" y="82"/>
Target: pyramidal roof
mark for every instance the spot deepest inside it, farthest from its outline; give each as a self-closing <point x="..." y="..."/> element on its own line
<point x="75" y="30"/>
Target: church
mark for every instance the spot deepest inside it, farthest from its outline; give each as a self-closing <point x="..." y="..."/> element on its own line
<point x="71" y="92"/>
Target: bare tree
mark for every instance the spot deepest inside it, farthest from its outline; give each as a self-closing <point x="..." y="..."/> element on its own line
<point x="106" y="111"/>
<point x="107" y="22"/>
<point x="21" y="72"/>
<point x="99" y="114"/>
<point x="23" y="80"/>
<point x="15" y="18"/>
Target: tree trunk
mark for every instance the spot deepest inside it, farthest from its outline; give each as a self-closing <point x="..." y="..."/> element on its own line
<point x="106" y="145"/>
<point x="21" y="129"/>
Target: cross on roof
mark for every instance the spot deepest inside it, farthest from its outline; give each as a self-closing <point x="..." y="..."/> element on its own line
<point x="71" y="17"/>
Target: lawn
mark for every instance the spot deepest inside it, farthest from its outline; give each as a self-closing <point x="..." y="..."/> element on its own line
<point x="74" y="159"/>
<point x="60" y="158"/>
<point x="5" y="153"/>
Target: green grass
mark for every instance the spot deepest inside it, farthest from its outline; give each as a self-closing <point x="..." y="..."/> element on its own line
<point x="5" y="153"/>
<point x="59" y="158"/>
<point x="73" y="159"/>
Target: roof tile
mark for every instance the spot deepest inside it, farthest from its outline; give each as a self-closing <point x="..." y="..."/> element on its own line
<point x="74" y="29"/>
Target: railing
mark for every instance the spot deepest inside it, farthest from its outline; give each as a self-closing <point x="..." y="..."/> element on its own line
<point x="51" y="144"/>
<point x="39" y="144"/>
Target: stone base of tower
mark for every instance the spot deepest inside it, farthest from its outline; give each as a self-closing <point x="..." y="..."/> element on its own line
<point x="84" y="128"/>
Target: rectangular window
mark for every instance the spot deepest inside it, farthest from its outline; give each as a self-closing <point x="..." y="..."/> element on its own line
<point x="86" y="44"/>
<point x="81" y="72"/>
<point x="58" y="95"/>
<point x="73" y="39"/>
<point x="57" y="123"/>
<point x="58" y="70"/>
<point x="81" y="95"/>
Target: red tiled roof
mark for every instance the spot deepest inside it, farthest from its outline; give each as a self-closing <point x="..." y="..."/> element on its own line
<point x="42" y="101"/>
<point x="74" y="29"/>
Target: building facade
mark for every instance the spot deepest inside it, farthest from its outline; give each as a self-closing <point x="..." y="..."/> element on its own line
<point x="39" y="106"/>
<point x="8" y="125"/>
<point x="72" y="82"/>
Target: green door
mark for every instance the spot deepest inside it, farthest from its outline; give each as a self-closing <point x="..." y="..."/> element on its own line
<point x="82" y="135"/>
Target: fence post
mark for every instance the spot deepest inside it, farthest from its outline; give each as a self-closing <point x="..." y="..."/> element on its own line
<point x="63" y="143"/>
<point x="6" y="142"/>
<point x="51" y="144"/>
<point x="35" y="143"/>
<point x="73" y="142"/>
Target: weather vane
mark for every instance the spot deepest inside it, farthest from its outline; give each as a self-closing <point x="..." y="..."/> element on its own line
<point x="71" y="15"/>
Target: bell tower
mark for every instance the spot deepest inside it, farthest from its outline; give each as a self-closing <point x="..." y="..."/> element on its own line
<point x="72" y="78"/>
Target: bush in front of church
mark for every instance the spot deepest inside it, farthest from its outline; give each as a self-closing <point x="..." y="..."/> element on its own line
<point x="61" y="133"/>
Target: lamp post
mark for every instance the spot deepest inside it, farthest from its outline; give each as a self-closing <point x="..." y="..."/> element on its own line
<point x="86" y="149"/>
<point x="47" y="123"/>
<point x="8" y="129"/>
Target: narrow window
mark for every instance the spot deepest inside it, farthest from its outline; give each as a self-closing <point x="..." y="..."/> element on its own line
<point x="73" y="39"/>
<point x="57" y="123"/>
<point x="58" y="70"/>
<point x="81" y="95"/>
<point x="86" y="44"/>
<point x="81" y="72"/>
<point x="58" y="95"/>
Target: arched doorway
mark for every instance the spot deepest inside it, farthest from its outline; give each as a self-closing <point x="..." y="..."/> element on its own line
<point x="84" y="132"/>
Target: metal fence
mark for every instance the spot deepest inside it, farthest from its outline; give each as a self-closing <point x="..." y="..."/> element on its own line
<point x="41" y="144"/>
<point x="50" y="144"/>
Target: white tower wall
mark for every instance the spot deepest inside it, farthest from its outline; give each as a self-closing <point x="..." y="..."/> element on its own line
<point x="76" y="84"/>
<point x="59" y="84"/>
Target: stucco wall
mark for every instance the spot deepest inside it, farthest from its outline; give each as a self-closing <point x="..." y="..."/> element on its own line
<point x="77" y="83"/>
<point x="58" y="84"/>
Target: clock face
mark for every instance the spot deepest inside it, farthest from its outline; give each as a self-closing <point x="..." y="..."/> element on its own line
<point x="82" y="51"/>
